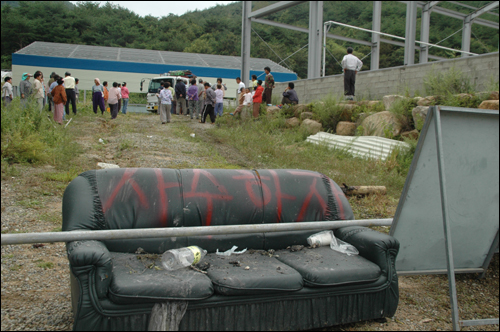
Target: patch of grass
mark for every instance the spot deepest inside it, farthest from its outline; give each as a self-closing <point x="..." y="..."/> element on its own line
<point x="65" y="177"/>
<point x="15" y="267"/>
<point x="30" y="203"/>
<point x="403" y="111"/>
<point x="125" y="145"/>
<point x="8" y="256"/>
<point x="45" y="265"/>
<point x="54" y="218"/>
<point x="57" y="229"/>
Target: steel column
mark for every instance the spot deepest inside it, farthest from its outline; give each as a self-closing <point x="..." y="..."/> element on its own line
<point x="411" y="30"/>
<point x="466" y="33"/>
<point x="246" y="35"/>
<point x="446" y="224"/>
<point x="315" y="39"/>
<point x="376" y="25"/>
<point x="424" y="33"/>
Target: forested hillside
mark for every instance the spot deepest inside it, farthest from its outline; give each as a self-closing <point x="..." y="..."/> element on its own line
<point x="218" y="30"/>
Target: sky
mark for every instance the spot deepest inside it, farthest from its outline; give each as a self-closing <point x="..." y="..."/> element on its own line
<point x="163" y="8"/>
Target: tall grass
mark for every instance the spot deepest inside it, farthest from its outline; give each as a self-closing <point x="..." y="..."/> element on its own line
<point x="31" y="136"/>
<point x="453" y="81"/>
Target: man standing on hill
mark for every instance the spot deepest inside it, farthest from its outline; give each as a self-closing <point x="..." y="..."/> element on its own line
<point x="268" y="85"/>
<point x="351" y="65"/>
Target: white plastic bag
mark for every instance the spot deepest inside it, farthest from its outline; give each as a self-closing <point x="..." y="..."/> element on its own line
<point x="230" y="251"/>
<point x="343" y="247"/>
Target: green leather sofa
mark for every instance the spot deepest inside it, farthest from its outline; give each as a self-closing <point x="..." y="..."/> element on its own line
<point x="115" y="283"/>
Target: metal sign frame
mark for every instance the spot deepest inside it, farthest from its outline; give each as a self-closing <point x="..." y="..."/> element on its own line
<point x="409" y="190"/>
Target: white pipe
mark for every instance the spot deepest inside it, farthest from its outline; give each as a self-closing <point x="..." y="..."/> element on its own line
<point x="397" y="37"/>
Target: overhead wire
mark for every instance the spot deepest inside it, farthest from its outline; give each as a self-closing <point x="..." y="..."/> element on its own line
<point x="271" y="49"/>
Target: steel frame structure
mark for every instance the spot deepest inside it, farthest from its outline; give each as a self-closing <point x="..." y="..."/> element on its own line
<point x="317" y="35"/>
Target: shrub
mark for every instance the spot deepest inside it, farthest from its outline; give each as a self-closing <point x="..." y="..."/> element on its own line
<point x="453" y="81"/>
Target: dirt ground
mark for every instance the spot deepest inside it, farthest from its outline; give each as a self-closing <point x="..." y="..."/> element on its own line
<point x="35" y="289"/>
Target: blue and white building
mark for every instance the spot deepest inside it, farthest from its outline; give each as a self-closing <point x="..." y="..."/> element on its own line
<point x="115" y="64"/>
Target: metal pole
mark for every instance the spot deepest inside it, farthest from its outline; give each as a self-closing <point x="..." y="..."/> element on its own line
<point x="314" y="55"/>
<point x="246" y="35"/>
<point x="447" y="231"/>
<point x="466" y="33"/>
<point x="411" y="30"/>
<point x="376" y="25"/>
<point x="324" y="47"/>
<point x="401" y="38"/>
<point x="424" y="32"/>
<point x="184" y="231"/>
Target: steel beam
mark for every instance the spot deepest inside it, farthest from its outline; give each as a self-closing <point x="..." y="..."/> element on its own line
<point x="328" y="35"/>
<point x="246" y="35"/>
<point x="376" y="25"/>
<point x="483" y="10"/>
<point x="315" y="39"/>
<point x="424" y="32"/>
<point x="411" y="31"/>
<point x="276" y="7"/>
<point x="117" y="234"/>
<point x="470" y="7"/>
<point x="466" y="34"/>
<point x="457" y="15"/>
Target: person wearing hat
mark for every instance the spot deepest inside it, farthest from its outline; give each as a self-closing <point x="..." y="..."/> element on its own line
<point x="125" y="93"/>
<point x="25" y="89"/>
<point x="69" y="85"/>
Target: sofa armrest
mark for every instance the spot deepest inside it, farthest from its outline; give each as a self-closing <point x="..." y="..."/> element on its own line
<point x="88" y="256"/>
<point x="377" y="247"/>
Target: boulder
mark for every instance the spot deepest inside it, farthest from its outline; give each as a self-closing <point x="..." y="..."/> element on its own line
<point x="106" y="165"/>
<point x="389" y="100"/>
<point x="292" y="122"/>
<point x="410" y="134"/>
<point x="464" y="96"/>
<point x="272" y="109"/>
<point x="297" y="109"/>
<point x="306" y="115"/>
<point x="311" y="126"/>
<point x="380" y="124"/>
<point x="369" y="103"/>
<point x="493" y="95"/>
<point x="427" y="101"/>
<point x="419" y="113"/>
<point x="489" y="105"/>
<point x="345" y="128"/>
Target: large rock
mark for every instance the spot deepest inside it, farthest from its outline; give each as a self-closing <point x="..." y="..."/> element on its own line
<point x="311" y="126"/>
<point x="389" y="100"/>
<point x="493" y="95"/>
<point x="292" y="122"/>
<point x="489" y="105"/>
<point x="272" y="109"/>
<point x="297" y="109"/>
<point x="382" y="124"/>
<point x="369" y="103"/>
<point x="410" y="134"/>
<point x="345" y="128"/>
<point x="306" y="115"/>
<point x="426" y="101"/>
<point x="419" y="114"/>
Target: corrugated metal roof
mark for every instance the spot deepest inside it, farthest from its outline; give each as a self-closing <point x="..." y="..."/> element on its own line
<point x="361" y="146"/>
<point x="145" y="56"/>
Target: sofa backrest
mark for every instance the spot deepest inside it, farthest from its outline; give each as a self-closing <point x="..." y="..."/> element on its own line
<point x="128" y="198"/>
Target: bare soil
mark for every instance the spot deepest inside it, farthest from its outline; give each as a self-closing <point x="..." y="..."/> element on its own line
<point x="35" y="289"/>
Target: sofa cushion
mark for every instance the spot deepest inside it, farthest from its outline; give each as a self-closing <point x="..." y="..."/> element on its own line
<point x="325" y="267"/>
<point x="265" y="274"/>
<point x="141" y="279"/>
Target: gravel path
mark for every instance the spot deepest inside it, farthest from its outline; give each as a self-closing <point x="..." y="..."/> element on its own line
<point x="35" y="279"/>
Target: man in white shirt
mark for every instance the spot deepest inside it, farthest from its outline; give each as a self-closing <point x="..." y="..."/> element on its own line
<point x="69" y="85"/>
<point x="241" y="89"/>
<point x="351" y="65"/>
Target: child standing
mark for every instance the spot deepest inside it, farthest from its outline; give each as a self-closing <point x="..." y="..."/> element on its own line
<point x="219" y="98"/>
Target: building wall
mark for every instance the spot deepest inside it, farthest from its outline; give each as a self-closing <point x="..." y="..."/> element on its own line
<point x="482" y="70"/>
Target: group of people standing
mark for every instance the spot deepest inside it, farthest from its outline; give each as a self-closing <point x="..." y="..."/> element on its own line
<point x="114" y="98"/>
<point x="58" y="93"/>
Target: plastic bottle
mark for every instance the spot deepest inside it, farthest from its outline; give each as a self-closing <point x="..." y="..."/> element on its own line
<point x="175" y="259"/>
